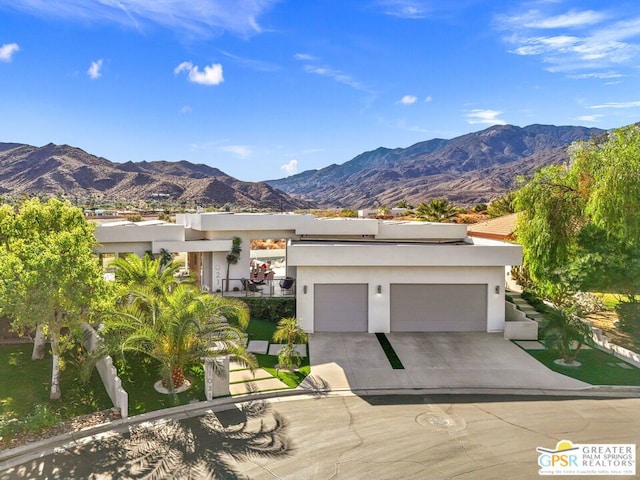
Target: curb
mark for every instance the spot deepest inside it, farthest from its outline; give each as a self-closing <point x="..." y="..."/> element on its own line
<point x="18" y="455"/>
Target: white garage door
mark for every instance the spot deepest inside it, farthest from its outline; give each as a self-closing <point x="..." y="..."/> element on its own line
<point x="438" y="308"/>
<point x="340" y="308"/>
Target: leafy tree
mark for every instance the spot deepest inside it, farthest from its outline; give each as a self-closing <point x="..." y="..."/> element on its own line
<point x="437" y="210"/>
<point x="502" y="205"/>
<point x="580" y="224"/>
<point x="289" y="332"/>
<point x="233" y="256"/>
<point x="50" y="279"/>
<point x="348" y="213"/>
<point x="404" y="204"/>
<point x="179" y="328"/>
<point x="383" y="211"/>
<point x="480" y="207"/>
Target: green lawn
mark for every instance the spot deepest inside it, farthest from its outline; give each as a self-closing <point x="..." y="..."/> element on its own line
<point x="609" y="299"/>
<point x="24" y="385"/>
<point x="263" y="330"/>
<point x="24" y="392"/>
<point x="598" y="367"/>
<point x="139" y="373"/>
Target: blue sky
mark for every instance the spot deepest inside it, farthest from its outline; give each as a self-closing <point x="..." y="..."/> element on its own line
<point x="263" y="88"/>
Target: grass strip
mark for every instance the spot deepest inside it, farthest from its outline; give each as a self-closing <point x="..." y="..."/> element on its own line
<point x="391" y="354"/>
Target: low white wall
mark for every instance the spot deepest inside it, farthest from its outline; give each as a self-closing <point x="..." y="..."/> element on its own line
<point x="112" y="383"/>
<point x="602" y="341"/>
<point x="517" y="325"/>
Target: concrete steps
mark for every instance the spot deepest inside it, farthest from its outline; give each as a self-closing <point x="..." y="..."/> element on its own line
<point x="524" y="306"/>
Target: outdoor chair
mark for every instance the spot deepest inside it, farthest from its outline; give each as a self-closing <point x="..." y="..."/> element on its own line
<point x="250" y="286"/>
<point x="287" y="284"/>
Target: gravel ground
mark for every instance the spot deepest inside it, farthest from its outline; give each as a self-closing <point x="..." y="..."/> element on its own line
<point x="73" y="425"/>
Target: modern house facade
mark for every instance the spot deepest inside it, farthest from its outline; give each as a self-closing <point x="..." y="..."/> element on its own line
<point x="351" y="275"/>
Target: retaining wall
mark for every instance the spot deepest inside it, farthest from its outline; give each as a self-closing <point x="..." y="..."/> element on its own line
<point x="108" y="373"/>
<point x="517" y="325"/>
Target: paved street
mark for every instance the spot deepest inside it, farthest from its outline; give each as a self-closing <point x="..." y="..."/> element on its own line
<point x="387" y="437"/>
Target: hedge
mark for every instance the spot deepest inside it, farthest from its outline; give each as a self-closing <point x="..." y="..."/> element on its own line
<point x="271" y="309"/>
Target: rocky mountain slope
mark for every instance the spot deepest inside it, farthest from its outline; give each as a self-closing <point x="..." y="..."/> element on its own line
<point x="469" y="169"/>
<point x="64" y="170"/>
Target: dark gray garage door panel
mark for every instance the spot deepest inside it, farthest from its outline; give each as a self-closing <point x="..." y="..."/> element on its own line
<point x="438" y="308"/>
<point x="341" y="308"/>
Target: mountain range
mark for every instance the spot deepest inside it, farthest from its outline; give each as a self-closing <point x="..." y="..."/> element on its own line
<point x="466" y="170"/>
<point x="65" y="170"/>
<point x="470" y="169"/>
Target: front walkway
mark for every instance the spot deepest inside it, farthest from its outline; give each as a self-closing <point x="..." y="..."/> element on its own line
<point x="431" y="361"/>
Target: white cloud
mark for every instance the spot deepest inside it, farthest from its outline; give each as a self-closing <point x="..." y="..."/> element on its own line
<point x="413" y="9"/>
<point x="290" y="168"/>
<point x="484" y="117"/>
<point x="242" y="151"/>
<point x="570" y="19"/>
<point x="633" y="104"/>
<point x="186" y="109"/>
<point x="94" y="70"/>
<point x="597" y="75"/>
<point x="211" y="75"/>
<point x="336" y="75"/>
<point x="7" y="51"/>
<point x="573" y="40"/>
<point x="408" y="99"/>
<point x="252" y="64"/>
<point x="304" y="57"/>
<point x="589" y="118"/>
<point x="196" y="17"/>
<point x="428" y="99"/>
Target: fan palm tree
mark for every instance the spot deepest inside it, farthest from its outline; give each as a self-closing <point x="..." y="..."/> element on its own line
<point x="179" y="328"/>
<point x="289" y="332"/>
<point x="437" y="210"/>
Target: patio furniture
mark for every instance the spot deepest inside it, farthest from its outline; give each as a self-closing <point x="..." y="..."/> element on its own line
<point x="287" y="284"/>
<point x="250" y="286"/>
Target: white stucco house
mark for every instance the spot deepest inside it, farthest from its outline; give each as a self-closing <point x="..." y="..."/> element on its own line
<point x="351" y="275"/>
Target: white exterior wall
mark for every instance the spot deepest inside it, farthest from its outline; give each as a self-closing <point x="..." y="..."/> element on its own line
<point x="137" y="248"/>
<point x="380" y="304"/>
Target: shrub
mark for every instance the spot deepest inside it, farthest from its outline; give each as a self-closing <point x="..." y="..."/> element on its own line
<point x="629" y="316"/>
<point x="271" y="309"/>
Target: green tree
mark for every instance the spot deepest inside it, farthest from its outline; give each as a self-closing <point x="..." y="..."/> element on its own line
<point x="289" y="332"/>
<point x="580" y="224"/>
<point x="437" y="210"/>
<point x="233" y="257"/>
<point x="179" y="328"/>
<point x="50" y="279"/>
<point x="502" y="205"/>
<point x="404" y="204"/>
<point x="565" y="334"/>
<point x="133" y="271"/>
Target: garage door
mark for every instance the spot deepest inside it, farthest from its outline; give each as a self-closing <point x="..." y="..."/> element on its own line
<point x="438" y="308"/>
<point x="340" y="308"/>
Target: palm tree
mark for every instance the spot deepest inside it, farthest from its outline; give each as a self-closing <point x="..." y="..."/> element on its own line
<point x="179" y="328"/>
<point x="145" y="271"/>
<point x="565" y="334"/>
<point x="437" y="210"/>
<point x="289" y="332"/>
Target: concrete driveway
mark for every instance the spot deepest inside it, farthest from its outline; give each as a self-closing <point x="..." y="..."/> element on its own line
<point x="431" y="360"/>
